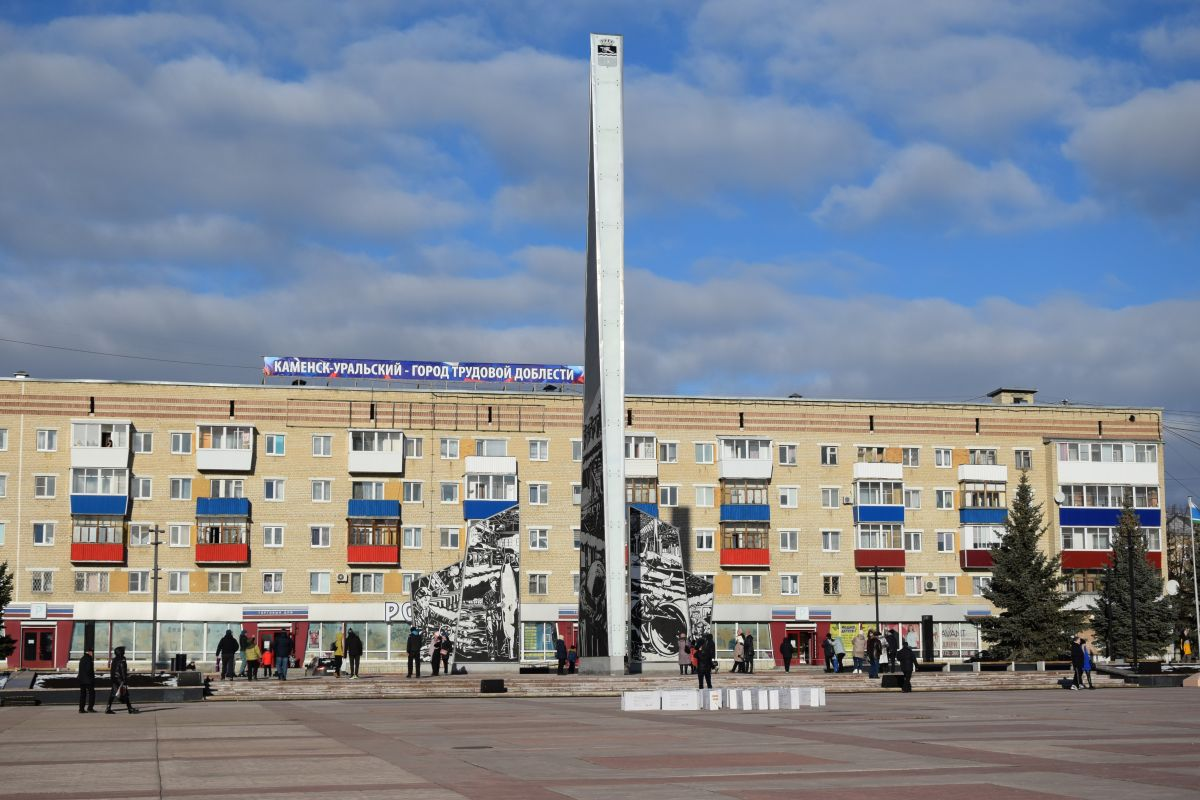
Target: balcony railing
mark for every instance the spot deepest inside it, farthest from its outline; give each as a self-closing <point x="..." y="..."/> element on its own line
<point x="745" y="557"/>
<point x="878" y="559"/>
<point x="975" y="559"/>
<point x="1099" y="559"/>
<point x="222" y="553"/>
<point x="98" y="552"/>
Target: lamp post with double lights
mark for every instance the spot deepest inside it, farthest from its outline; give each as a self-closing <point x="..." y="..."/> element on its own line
<point x="155" y="532"/>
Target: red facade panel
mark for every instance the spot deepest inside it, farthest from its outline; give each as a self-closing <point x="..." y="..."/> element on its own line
<point x="883" y="559"/>
<point x="388" y="554"/>
<point x="222" y="554"/>
<point x="975" y="559"/>
<point x="745" y="557"/>
<point x="93" y="553"/>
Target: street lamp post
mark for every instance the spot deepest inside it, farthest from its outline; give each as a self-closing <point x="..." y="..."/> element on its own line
<point x="1133" y="603"/>
<point x="875" y="570"/>
<point x="154" y="533"/>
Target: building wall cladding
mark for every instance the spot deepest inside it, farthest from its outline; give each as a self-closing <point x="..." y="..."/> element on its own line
<point x="300" y="413"/>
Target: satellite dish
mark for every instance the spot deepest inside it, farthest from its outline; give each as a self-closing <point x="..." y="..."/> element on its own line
<point x="1060" y="498"/>
<point x="1172" y="587"/>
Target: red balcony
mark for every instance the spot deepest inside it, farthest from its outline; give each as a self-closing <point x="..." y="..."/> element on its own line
<point x="95" y="553"/>
<point x="975" y="559"/>
<point x="225" y="553"/>
<point x="1098" y="559"/>
<point x="745" y="557"/>
<point x="883" y="559"/>
<point x="382" y="554"/>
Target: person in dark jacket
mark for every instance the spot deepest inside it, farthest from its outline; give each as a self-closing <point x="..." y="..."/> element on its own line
<point x="892" y="642"/>
<point x="908" y="661"/>
<point x="413" y="647"/>
<point x="705" y="659"/>
<point x="283" y="654"/>
<point x="354" y="651"/>
<point x="1077" y="663"/>
<point x="87" y="683"/>
<point x="243" y="643"/>
<point x="119" y="671"/>
<point x="446" y="648"/>
<point x="227" y="650"/>
<point x="874" y="652"/>
<point x="787" y="650"/>
<point x="748" y="654"/>
<point x="560" y="653"/>
<point x="830" y="653"/>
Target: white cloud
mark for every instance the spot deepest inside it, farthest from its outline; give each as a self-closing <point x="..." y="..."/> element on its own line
<point x="1175" y="40"/>
<point x="1145" y="150"/>
<point x="929" y="184"/>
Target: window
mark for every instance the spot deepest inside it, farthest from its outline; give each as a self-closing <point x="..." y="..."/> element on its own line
<point x="789" y="497"/>
<point x="1083" y="581"/>
<point x="575" y="583"/>
<point x="912" y="541"/>
<point x="705" y="496"/>
<point x="789" y="541"/>
<point x="41" y="581"/>
<point x="143" y="442"/>
<point x="98" y="480"/>
<point x="576" y="494"/>
<point x="91" y="582"/>
<point x="668" y="452"/>
<point x="983" y="495"/>
<point x="705" y="539"/>
<point x="414" y="447"/>
<point x="179" y="535"/>
<point x="705" y="453"/>
<point x="912" y="585"/>
<point x="181" y="488"/>
<point x="3" y="486"/>
<point x="322" y="445"/>
<point x="227" y="487"/>
<point x="3" y="439"/>
<point x="448" y="492"/>
<point x="947" y="585"/>
<point x="406" y="581"/>
<point x="831" y="585"/>
<point x="539" y="494"/>
<point x="746" y="449"/>
<point x="491" y="487"/>
<point x="139" y="534"/>
<point x="450" y="538"/>
<point x="982" y="457"/>
<point x="981" y="537"/>
<point x="366" y="490"/>
<point x="322" y="491"/>
<point x="539" y="450"/>
<point x="318" y="535"/>
<point x="143" y="488"/>
<point x="1153" y="538"/>
<point x="43" y="533"/>
<point x="45" y="486"/>
<point x="177" y="582"/>
<point x="980" y="584"/>
<point x="880" y="536"/>
<point x="747" y="585"/>
<point x="744" y="492"/>
<point x="366" y="582"/>
<point x="943" y="457"/>
<point x="577" y="450"/>
<point x="276" y="444"/>
<point x="448" y="448"/>
<point x="99" y="434"/>
<point x="639" y="446"/>
<point x="47" y="440"/>
<point x="870" y="454"/>
<point x="910" y="456"/>
<point x="491" y="447"/>
<point x="273" y="489"/>
<point x="411" y="537"/>
<point x="880" y="493"/>
<point x="139" y="582"/>
<point x="104" y="530"/>
<point x="272" y="536"/>
<point x="912" y="499"/>
<point x="181" y="443"/>
<point x="787" y="455"/>
<point x="318" y="583"/>
<point x="413" y="491"/>
<point x="789" y="584"/>
<point x="668" y="496"/>
<point x="575" y="534"/>
<point x="539" y="583"/>
<point x="272" y="582"/>
<point x="944" y="499"/>
<point x="867" y="585"/>
<point x="539" y="539"/>
<point x="537" y="641"/>
<point x="829" y="455"/>
<point x="376" y="441"/>
<point x="1023" y="459"/>
<point x="225" y="437"/>
<point x="2" y="527"/>
<point x="945" y="541"/>
<point x="829" y="496"/>
<point x="831" y="541"/>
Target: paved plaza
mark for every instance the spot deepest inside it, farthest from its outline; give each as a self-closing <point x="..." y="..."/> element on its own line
<point x="1142" y="744"/>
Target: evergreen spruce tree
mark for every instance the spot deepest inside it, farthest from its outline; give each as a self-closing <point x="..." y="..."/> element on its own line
<point x="1111" y="617"/>
<point x="1033" y="622"/>
<point x="7" y="645"/>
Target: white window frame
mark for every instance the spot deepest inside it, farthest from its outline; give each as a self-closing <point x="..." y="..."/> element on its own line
<point x="48" y="490"/>
<point x="837" y="535"/>
<point x="450" y="537"/>
<point x="46" y="579"/>
<point x="46" y="440"/>
<point x="668" y="452"/>
<point x="788" y="454"/>
<point x="281" y="529"/>
<point x="376" y="581"/>
<point x="576" y="494"/>
<point x="1017" y="451"/>
<point x="320" y="541"/>
<point x="136" y="484"/>
<point x="939" y="495"/>
<point x="789" y="496"/>
<point x="52" y="530"/>
<point x="184" y="528"/>
<point x="906" y="451"/>
<point x="538" y="583"/>
<point x="789" y="584"/>
<point x="273" y="577"/>
<point x="177" y="483"/>
<point x="668" y="492"/>
<point x="911" y="536"/>
<point x="182" y="579"/>
<point x="414" y="492"/>
<point x="825" y="497"/>
<point x="951" y="581"/>
<point x="539" y="449"/>
<point x="316" y="574"/>
<point x="789" y="547"/>
<point x="577" y="450"/>
<point x="826" y="579"/>
<point x="414" y="446"/>
<point x="280" y="490"/>
<point x="976" y="589"/>
<point x="271" y="442"/>
<point x="220" y="575"/>
<point x="418" y="532"/>
<point x="709" y="501"/>
<point x="322" y="441"/>
<point x="945" y="454"/>
<point x="179" y="439"/>
<point x="326" y="493"/>
<point x="942" y="538"/>
<point x="916" y="494"/>
<point x="705" y="539"/>
<point x="705" y="452"/>
<point x="448" y="448"/>
<point x="745" y="585"/>
<point x="138" y="441"/>
<point x="456" y="494"/>
<point x="539" y="493"/>
<point x="539" y="538"/>
<point x="828" y="455"/>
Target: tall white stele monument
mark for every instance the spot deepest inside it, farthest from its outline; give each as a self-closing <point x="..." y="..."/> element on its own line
<point x="604" y="577"/>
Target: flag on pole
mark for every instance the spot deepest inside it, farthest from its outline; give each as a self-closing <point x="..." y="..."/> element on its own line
<point x="1195" y="511"/>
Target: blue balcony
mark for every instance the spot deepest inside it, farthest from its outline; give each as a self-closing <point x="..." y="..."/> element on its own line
<point x="745" y="512"/>
<point x="99" y="505"/>
<point x="373" y="509"/>
<point x="983" y="516"/>
<point x="482" y="509"/>
<point x="222" y="507"/>
<point x="1107" y="517"/>
<point x="649" y="509"/>
<point x="878" y="514"/>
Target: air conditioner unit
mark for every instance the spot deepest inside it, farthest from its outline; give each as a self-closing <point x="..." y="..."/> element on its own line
<point x="930" y="586"/>
<point x="847" y="501"/>
<point x="343" y="577"/>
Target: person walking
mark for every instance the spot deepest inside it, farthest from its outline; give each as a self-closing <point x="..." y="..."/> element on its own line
<point x="705" y="659"/>
<point x="748" y="654"/>
<point x="839" y="653"/>
<point x="413" y="648"/>
<point x="830" y="653"/>
<point x="253" y="654"/>
<point x="227" y="650"/>
<point x="874" y="652"/>
<point x="858" y="651"/>
<point x="908" y="661"/>
<point x="283" y="654"/>
<point x="87" y="682"/>
<point x="560" y="653"/>
<point x="446" y="648"/>
<point x="354" y="651"/>
<point x="683" y="654"/>
<point x="892" y="638"/>
<point x="1077" y="663"/>
<point x="1087" y="663"/>
<point x="339" y="652"/>
<point x="268" y="659"/>
<point x="739" y="652"/>
<point x="119" y="675"/>
<point x="786" y="650"/>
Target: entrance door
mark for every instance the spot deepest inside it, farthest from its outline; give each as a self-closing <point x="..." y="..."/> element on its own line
<point x="268" y="635"/>
<point x="37" y="648"/>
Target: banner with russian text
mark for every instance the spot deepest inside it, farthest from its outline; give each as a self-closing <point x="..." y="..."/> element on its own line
<point x="464" y="371"/>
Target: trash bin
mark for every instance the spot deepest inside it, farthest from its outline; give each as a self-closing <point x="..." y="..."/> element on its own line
<point x="181" y="662"/>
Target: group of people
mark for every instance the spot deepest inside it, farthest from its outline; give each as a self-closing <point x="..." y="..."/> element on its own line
<point x="118" y="676"/>
<point x="247" y="657"/>
<point x="567" y="657"/>
<point x="1081" y="663"/>
<point x="439" y="650"/>
<point x="868" y="650"/>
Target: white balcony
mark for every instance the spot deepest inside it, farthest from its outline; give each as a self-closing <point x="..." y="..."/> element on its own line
<point x="985" y="473"/>
<point x="211" y="459"/>
<point x="878" y="472"/>
<point x="111" y="457"/>
<point x="376" y="462"/>
<point x="641" y="468"/>
<point x="100" y="443"/>
<point x="744" y="469"/>
<point x="491" y="465"/>
<point x="1120" y="472"/>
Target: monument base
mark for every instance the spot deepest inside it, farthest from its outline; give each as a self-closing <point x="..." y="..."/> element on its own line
<point x="602" y="665"/>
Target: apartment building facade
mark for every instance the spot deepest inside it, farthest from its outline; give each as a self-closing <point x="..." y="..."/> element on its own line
<point x="313" y="508"/>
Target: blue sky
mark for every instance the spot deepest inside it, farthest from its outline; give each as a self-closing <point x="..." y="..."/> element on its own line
<point x="849" y="198"/>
